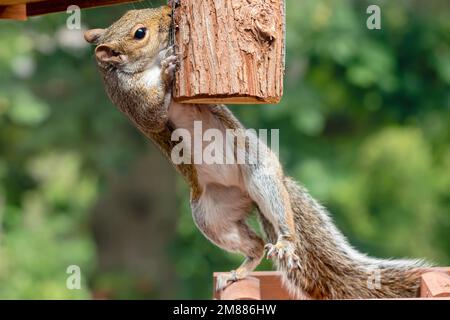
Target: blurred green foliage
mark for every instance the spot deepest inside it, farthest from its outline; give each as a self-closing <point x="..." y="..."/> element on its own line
<point x="363" y="125"/>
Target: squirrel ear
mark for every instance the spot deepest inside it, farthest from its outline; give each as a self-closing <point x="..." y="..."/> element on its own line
<point x="105" y="53"/>
<point x="93" y="35"/>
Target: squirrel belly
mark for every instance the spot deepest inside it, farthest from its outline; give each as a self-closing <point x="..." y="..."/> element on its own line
<point x="314" y="258"/>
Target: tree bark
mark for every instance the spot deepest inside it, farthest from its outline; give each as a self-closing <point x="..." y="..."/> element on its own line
<point x="231" y="51"/>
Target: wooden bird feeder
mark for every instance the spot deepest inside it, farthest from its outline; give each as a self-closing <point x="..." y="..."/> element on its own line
<point x="231" y="51"/>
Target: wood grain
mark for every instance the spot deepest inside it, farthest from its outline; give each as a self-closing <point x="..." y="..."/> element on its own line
<point x="269" y="284"/>
<point x="20" y="9"/>
<point x="11" y="2"/>
<point x="15" y="12"/>
<point x="245" y="289"/>
<point x="43" y="7"/>
<point x="231" y="51"/>
<point x="435" y="285"/>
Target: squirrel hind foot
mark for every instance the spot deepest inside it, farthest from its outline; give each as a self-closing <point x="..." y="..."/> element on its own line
<point x="283" y="250"/>
<point x="225" y="279"/>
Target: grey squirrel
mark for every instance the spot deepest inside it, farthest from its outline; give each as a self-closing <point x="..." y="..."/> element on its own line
<point x="315" y="259"/>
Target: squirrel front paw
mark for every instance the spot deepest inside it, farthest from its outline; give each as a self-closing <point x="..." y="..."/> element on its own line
<point x="169" y="64"/>
<point x="283" y="250"/>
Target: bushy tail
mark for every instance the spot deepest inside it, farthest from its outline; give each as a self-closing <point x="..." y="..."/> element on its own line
<point x="330" y="268"/>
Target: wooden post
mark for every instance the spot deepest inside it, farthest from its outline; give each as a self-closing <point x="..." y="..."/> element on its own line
<point x="435" y="285"/>
<point x="269" y="286"/>
<point x="231" y="51"/>
<point x="245" y="289"/>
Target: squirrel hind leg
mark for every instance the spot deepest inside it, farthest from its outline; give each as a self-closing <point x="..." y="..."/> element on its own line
<point x="252" y="246"/>
<point x="273" y="201"/>
<point x="221" y="214"/>
<point x="249" y="264"/>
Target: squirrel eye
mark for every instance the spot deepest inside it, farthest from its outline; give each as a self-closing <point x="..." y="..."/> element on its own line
<point x="140" y="33"/>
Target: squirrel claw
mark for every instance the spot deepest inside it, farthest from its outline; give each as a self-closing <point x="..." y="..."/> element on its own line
<point x="270" y="250"/>
<point x="225" y="279"/>
<point x="168" y="67"/>
<point x="167" y="52"/>
<point x="283" y="250"/>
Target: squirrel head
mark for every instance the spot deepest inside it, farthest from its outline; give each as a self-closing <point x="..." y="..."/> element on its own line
<point x="132" y="43"/>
